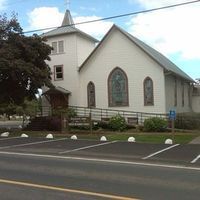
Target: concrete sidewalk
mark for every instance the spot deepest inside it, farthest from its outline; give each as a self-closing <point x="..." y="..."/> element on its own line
<point x="10" y="124"/>
<point x="195" y="141"/>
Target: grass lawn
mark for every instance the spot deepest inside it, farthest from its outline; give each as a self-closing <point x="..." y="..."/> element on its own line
<point x="156" y="137"/>
<point x="142" y="137"/>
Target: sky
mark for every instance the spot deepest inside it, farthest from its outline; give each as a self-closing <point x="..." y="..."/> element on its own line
<point x="174" y="32"/>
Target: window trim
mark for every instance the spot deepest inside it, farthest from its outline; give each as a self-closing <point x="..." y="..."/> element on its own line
<point x="55" y="74"/>
<point x="60" y="52"/>
<point x="110" y="104"/>
<point x="54" y="50"/>
<point x="57" y="47"/>
<point x="175" y="92"/>
<point x="88" y="93"/>
<point x="182" y="94"/>
<point x="145" y="102"/>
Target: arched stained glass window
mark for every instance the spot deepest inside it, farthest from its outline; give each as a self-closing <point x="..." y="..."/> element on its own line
<point x="118" y="88"/>
<point x="148" y="92"/>
<point x="91" y="94"/>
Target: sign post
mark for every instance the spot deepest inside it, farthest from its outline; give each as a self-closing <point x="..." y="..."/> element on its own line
<point x="172" y="117"/>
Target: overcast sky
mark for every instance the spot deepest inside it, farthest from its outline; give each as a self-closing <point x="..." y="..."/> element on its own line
<point x="174" y="32"/>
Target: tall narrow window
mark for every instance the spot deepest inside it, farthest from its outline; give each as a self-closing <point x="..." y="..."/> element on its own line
<point x="183" y="94"/>
<point x="91" y="94"/>
<point x="118" y="88"/>
<point x="60" y="46"/>
<point x="58" y="72"/>
<point x="54" y="46"/>
<point x="189" y="95"/>
<point x="175" y="92"/>
<point x="148" y="92"/>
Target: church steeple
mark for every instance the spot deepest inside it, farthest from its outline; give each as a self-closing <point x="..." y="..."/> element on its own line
<point x="68" y="20"/>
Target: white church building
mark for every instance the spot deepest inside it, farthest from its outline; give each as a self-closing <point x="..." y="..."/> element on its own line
<point x="119" y="72"/>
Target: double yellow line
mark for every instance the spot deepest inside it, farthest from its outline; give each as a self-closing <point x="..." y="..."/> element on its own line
<point x="81" y="192"/>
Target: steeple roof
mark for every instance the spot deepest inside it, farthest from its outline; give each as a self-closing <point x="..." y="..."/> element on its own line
<point x="67" y="27"/>
<point x="67" y="20"/>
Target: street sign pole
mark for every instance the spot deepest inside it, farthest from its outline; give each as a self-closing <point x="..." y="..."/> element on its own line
<point x="172" y="117"/>
<point x="173" y="132"/>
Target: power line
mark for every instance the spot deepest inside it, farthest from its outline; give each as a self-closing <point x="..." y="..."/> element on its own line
<point x="118" y="16"/>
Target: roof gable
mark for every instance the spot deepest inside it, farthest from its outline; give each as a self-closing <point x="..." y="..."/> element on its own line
<point x="67" y="27"/>
<point x="155" y="55"/>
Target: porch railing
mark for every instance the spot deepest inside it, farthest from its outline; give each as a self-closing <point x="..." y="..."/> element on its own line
<point x="99" y="114"/>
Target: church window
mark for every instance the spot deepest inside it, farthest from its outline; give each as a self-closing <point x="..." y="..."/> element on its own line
<point x="183" y="93"/>
<point x="91" y="95"/>
<point x="189" y="95"/>
<point x="118" y="88"/>
<point x="58" y="72"/>
<point x="58" y="47"/>
<point x="175" y="92"/>
<point x="148" y="92"/>
<point x="54" y="46"/>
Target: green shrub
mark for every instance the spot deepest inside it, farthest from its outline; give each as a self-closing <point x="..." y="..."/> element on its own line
<point x="155" y="124"/>
<point x="190" y="123"/>
<point x="117" y="123"/>
<point x="71" y="112"/>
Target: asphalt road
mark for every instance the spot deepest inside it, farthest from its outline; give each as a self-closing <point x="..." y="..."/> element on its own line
<point x="36" y="168"/>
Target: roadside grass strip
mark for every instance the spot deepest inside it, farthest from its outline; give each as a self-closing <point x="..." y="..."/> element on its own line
<point x="32" y="143"/>
<point x="158" y="152"/>
<point x="195" y="160"/>
<point x="87" y="147"/>
<point x="61" y="189"/>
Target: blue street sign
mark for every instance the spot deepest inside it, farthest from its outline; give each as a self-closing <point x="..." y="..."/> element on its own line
<point x="172" y="114"/>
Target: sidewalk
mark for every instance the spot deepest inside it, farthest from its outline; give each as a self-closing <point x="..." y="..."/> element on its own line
<point x="195" y="141"/>
<point x="10" y="124"/>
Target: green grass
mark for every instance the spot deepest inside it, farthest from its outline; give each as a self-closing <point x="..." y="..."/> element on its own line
<point x="180" y="137"/>
<point x="155" y="138"/>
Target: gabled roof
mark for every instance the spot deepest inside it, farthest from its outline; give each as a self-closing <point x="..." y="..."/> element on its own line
<point x="155" y="55"/>
<point x="63" y="30"/>
<point x="57" y="90"/>
<point x="67" y="27"/>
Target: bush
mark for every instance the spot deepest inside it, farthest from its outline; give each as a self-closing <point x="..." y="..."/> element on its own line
<point x="190" y="123"/>
<point x="117" y="123"/>
<point x="70" y="112"/>
<point x="155" y="124"/>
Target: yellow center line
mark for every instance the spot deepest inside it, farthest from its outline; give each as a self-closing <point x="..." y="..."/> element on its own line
<point x="108" y="196"/>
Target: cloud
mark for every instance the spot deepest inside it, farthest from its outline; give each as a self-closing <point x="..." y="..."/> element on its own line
<point x="88" y="8"/>
<point x="96" y="29"/>
<point x="2" y="4"/>
<point x="156" y="3"/>
<point x="45" y="17"/>
<point x="170" y="31"/>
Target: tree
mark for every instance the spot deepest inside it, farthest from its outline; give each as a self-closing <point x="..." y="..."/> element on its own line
<point x="197" y="81"/>
<point x="22" y="63"/>
<point x="28" y="108"/>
